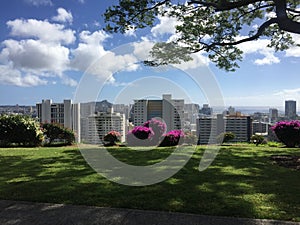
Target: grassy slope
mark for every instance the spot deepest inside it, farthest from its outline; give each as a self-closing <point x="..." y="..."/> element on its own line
<point x="241" y="182"/>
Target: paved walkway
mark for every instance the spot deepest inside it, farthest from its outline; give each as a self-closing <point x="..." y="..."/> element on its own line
<point x="28" y="213"/>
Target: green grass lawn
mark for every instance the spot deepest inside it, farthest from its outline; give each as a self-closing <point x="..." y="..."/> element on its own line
<point x="241" y="182"/>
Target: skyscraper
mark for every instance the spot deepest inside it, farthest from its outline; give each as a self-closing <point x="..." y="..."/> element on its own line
<point x="168" y="109"/>
<point x="290" y="109"/>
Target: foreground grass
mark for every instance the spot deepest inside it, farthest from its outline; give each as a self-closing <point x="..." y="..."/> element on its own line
<point x="241" y="182"/>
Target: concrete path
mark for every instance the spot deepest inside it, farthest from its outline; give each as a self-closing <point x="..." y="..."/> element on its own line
<point x="28" y="213"/>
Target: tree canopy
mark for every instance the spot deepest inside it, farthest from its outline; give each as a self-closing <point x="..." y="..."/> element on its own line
<point x="215" y="27"/>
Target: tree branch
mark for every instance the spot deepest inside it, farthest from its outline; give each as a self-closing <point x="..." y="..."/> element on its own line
<point x="284" y="22"/>
<point x="260" y="31"/>
<point x="147" y="9"/>
<point x="224" y="5"/>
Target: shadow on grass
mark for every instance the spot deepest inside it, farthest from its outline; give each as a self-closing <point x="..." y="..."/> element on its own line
<point x="241" y="182"/>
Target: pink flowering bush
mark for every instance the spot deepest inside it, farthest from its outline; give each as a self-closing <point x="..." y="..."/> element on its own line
<point x="111" y="138"/>
<point x="288" y="132"/>
<point x="140" y="136"/>
<point x="172" y="138"/>
<point x="158" y="127"/>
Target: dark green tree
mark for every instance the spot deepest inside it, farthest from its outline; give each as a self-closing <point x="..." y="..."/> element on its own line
<point x="19" y="130"/>
<point x="213" y="26"/>
<point x="111" y="138"/>
<point x="57" y="132"/>
<point x="225" y="137"/>
<point x="257" y="139"/>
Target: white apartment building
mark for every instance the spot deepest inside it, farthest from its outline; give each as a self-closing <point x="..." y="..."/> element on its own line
<point x="66" y="114"/>
<point x="208" y="128"/>
<point x="96" y="126"/>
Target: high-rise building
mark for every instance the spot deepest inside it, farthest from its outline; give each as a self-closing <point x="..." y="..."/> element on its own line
<point x="96" y="126"/>
<point x="273" y="115"/>
<point x="65" y="114"/>
<point x="290" y="109"/>
<point x="208" y="128"/>
<point x="171" y="111"/>
<point x="260" y="127"/>
<point x="206" y="110"/>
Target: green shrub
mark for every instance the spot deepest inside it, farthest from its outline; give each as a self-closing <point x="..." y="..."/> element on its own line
<point x="57" y="133"/>
<point x="17" y="130"/>
<point x="111" y="138"/>
<point x="225" y="137"/>
<point x="257" y="139"/>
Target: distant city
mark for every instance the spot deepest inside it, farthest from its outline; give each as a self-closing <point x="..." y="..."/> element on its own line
<point x="92" y="120"/>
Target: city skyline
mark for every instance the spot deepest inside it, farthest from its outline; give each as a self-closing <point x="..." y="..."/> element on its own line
<point x="35" y="65"/>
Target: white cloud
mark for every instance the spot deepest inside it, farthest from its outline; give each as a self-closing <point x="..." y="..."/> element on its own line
<point x="289" y="93"/>
<point x="294" y="51"/>
<point x="269" y="59"/>
<point x="43" y="30"/>
<point x="39" y="2"/>
<point x="69" y="81"/>
<point x="259" y="47"/>
<point x="167" y="25"/>
<point x="142" y="49"/>
<point x="198" y="60"/>
<point x="10" y="76"/>
<point x="89" y="50"/>
<point x="63" y="16"/>
<point x="91" y="57"/>
<point x="35" y="55"/>
<point x="130" y="32"/>
<point x="81" y="1"/>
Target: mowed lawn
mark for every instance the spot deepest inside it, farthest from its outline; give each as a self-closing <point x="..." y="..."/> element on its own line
<point x="242" y="181"/>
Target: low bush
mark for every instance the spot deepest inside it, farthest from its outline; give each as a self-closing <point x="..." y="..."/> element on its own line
<point x="17" y="130"/>
<point x="288" y="132"/>
<point x="111" y="138"/>
<point x="140" y="136"/>
<point x="172" y="138"/>
<point x="56" y="133"/>
<point x="257" y="139"/>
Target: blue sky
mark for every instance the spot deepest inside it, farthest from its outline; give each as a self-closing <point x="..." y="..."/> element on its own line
<point x="50" y="48"/>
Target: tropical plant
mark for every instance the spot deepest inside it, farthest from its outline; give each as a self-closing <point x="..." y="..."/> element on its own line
<point x="56" y="132"/>
<point x="111" y="138"/>
<point x="172" y="138"/>
<point x="225" y="137"/>
<point x="158" y="127"/>
<point x="257" y="139"/>
<point x="140" y="136"/>
<point x="19" y="130"/>
<point x="288" y="132"/>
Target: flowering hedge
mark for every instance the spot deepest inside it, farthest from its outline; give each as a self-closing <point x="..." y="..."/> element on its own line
<point x="111" y="138"/>
<point x="140" y="136"/>
<point x="158" y="127"/>
<point x="288" y="132"/>
<point x="172" y="138"/>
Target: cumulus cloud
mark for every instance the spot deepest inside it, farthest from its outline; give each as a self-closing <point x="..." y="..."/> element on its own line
<point x="38" y="51"/>
<point x="10" y="76"/>
<point x="35" y="55"/>
<point x="91" y="57"/>
<point x="89" y="49"/>
<point x="166" y="25"/>
<point x="42" y="30"/>
<point x="63" y="16"/>
<point x="260" y="47"/>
